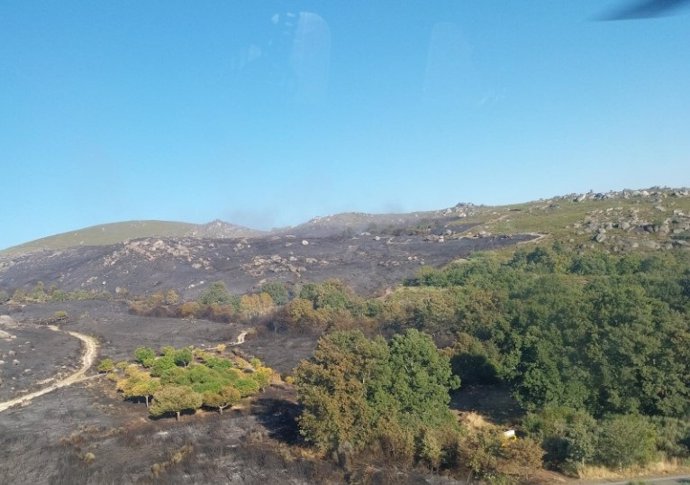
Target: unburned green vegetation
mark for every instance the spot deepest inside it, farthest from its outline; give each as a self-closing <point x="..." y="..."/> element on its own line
<point x="176" y="380"/>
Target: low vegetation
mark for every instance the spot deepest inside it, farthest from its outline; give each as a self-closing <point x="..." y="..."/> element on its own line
<point x="40" y="294"/>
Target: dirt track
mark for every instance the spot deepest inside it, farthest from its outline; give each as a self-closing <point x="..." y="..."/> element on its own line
<point x="88" y="358"/>
<point x="240" y="338"/>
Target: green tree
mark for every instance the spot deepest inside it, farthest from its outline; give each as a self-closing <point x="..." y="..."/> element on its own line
<point x="226" y="396"/>
<point x="216" y="293"/>
<point x="162" y="365"/>
<point x="278" y="292"/>
<point x="174" y="399"/>
<point x="340" y="387"/>
<point x="145" y="356"/>
<point x="353" y="385"/>
<point x="246" y="386"/>
<point x="421" y="379"/>
<point x="137" y="384"/>
<point x="182" y="357"/>
<point x="145" y="388"/>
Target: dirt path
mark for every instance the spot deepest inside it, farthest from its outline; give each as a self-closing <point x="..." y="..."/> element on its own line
<point x="240" y="338"/>
<point x="538" y="237"/>
<point x="663" y="480"/>
<point x="87" y="360"/>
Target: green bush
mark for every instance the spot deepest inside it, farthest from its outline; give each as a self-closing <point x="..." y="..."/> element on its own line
<point x="278" y="292"/>
<point x="162" y="365"/>
<point x="217" y="293"/>
<point x="145" y="356"/>
<point x="568" y="436"/>
<point x="673" y="436"/>
<point x="626" y="440"/>
<point x="106" y="365"/>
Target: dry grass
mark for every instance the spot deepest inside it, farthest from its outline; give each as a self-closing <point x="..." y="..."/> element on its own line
<point x="662" y="467"/>
<point x="474" y="420"/>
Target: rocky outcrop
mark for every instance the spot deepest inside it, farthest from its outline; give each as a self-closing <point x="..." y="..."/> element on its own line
<point x="651" y="226"/>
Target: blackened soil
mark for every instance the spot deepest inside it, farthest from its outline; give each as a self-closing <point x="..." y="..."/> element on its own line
<point x="367" y="263"/>
<point x="35" y="355"/>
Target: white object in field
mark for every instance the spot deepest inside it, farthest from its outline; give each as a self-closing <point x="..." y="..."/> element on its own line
<point x="509" y="435"/>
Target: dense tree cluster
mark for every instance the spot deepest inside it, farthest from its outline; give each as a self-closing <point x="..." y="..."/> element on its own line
<point x="391" y="400"/>
<point x="595" y="344"/>
<point x="593" y="331"/>
<point x="354" y="388"/>
<point x="186" y="379"/>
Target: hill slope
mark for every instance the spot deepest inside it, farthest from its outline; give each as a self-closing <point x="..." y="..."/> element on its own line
<point x="369" y="252"/>
<point x="106" y="234"/>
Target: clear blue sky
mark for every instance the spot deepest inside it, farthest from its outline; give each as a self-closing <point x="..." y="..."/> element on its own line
<point x="268" y="113"/>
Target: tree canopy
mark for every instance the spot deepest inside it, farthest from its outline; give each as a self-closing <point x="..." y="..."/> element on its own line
<point x="352" y="383"/>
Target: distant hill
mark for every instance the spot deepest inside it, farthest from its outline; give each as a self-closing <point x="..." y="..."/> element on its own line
<point x="654" y="218"/>
<point x="106" y="234"/>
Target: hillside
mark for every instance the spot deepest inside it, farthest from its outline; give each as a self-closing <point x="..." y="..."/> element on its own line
<point x="106" y="234"/>
<point x="367" y="251"/>
<point x="565" y="320"/>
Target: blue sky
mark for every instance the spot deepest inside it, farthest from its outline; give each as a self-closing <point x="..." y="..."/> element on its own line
<point x="267" y="113"/>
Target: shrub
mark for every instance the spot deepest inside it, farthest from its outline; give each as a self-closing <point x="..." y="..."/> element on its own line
<point x="625" y="440"/>
<point x="171" y="297"/>
<point x="189" y="309"/>
<point x="278" y="292"/>
<point x="521" y="457"/>
<point x="673" y="436"/>
<point x="106" y="365"/>
<point x="216" y="293"/>
<point x="145" y="356"/>
<point x="60" y="316"/>
<point x="182" y="357"/>
<point x="161" y="365"/>
<point x="568" y="436"/>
